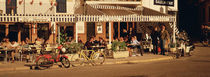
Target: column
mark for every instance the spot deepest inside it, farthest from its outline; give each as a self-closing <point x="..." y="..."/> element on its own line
<point x="127" y="26"/>
<point x="118" y="29"/>
<point x="33" y="32"/>
<point x="55" y="33"/>
<point x="7" y="29"/>
<point x="76" y="33"/>
<point x="19" y="33"/>
<point x="133" y="25"/>
<point x="50" y="40"/>
<point x="110" y="32"/>
<point x="174" y="33"/>
<point x="58" y="31"/>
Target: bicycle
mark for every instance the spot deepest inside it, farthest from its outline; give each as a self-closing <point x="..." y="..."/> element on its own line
<point x="89" y="56"/>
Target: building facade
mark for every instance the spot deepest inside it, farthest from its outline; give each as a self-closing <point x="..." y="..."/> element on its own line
<point x="100" y="18"/>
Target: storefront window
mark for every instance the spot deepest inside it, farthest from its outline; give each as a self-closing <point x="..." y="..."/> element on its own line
<point x="43" y="30"/>
<point x="2" y="32"/>
<point x="11" y="6"/>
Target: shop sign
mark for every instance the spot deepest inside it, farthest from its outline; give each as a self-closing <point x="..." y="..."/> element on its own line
<point x="164" y="2"/>
<point x="99" y="27"/>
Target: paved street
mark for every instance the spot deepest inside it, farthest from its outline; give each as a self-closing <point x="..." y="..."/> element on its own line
<point x="195" y="66"/>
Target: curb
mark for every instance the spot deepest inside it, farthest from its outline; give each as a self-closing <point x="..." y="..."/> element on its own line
<point x="140" y="61"/>
<point x="107" y="63"/>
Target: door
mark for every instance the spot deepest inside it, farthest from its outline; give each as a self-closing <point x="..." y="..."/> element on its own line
<point x="90" y="30"/>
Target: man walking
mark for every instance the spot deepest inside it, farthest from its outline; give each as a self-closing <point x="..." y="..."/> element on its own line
<point x="164" y="39"/>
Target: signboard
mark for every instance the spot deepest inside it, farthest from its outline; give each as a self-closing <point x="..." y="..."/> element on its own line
<point x="80" y="27"/>
<point x="164" y="2"/>
<point x="99" y="27"/>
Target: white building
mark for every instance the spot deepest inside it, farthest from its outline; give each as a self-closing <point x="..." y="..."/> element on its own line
<point x="82" y="19"/>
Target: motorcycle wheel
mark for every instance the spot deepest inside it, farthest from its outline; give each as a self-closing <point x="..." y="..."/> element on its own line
<point x="42" y="63"/>
<point x="65" y="62"/>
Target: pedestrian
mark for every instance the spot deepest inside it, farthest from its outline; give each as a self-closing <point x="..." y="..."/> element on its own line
<point x="164" y="39"/>
<point x="155" y="39"/>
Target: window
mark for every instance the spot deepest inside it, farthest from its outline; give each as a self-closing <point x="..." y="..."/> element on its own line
<point x="11" y="6"/>
<point x="61" y="6"/>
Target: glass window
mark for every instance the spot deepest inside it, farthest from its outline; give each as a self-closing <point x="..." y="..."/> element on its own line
<point x="61" y="6"/>
<point x="11" y="6"/>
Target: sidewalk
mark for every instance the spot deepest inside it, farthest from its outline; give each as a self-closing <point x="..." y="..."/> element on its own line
<point x="137" y="59"/>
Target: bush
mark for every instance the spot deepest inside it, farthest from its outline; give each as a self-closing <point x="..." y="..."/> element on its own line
<point x="118" y="46"/>
<point x="74" y="47"/>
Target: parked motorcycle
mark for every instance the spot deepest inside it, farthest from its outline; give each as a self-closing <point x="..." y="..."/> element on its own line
<point x="45" y="61"/>
<point x="185" y="46"/>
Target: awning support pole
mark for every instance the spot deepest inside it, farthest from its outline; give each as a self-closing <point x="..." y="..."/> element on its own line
<point x="76" y="34"/>
<point x="110" y="32"/>
<point x="174" y="33"/>
<point x="59" y="34"/>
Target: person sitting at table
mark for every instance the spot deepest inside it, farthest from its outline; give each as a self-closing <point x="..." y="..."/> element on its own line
<point x="27" y="41"/>
<point x="89" y="43"/>
<point x="6" y="43"/>
<point x="80" y="40"/>
<point x="133" y="45"/>
<point x="95" y="42"/>
<point x="102" y="42"/>
<point x="38" y="41"/>
<point x="14" y="53"/>
<point x="136" y="44"/>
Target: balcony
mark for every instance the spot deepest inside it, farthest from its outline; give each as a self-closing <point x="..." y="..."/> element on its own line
<point x="119" y="2"/>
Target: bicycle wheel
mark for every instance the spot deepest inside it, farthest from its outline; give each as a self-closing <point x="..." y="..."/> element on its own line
<point x="65" y="62"/>
<point x="77" y="60"/>
<point x="43" y="63"/>
<point x="98" y="58"/>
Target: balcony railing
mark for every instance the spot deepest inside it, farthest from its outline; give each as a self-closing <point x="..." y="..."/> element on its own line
<point x="138" y="2"/>
<point x="85" y="18"/>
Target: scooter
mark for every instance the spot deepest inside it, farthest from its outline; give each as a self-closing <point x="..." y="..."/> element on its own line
<point x="45" y="61"/>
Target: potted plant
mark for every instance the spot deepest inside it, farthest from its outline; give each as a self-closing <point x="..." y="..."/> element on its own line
<point x="119" y="50"/>
<point x="72" y="50"/>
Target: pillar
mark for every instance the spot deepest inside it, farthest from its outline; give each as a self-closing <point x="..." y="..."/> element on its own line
<point x="19" y="33"/>
<point x="133" y="25"/>
<point x="127" y="26"/>
<point x="33" y="32"/>
<point x="7" y="29"/>
<point x="118" y="29"/>
<point x="111" y="30"/>
<point x="50" y="40"/>
<point x="59" y="33"/>
<point x="174" y="33"/>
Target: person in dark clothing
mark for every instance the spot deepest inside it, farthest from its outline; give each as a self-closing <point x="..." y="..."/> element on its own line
<point x="154" y="36"/>
<point x="102" y="42"/>
<point x="204" y="34"/>
<point x="131" y="33"/>
<point x="164" y="39"/>
<point x="124" y="33"/>
<point x="89" y="43"/>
